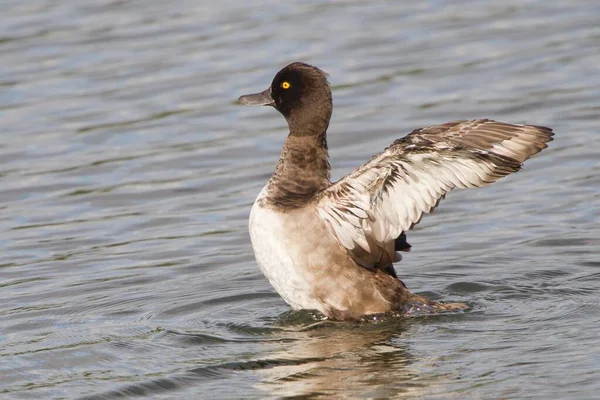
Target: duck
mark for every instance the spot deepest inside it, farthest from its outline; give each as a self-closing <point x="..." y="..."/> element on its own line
<point x="331" y="246"/>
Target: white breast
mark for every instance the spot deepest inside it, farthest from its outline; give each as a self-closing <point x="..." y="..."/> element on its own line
<point x="273" y="235"/>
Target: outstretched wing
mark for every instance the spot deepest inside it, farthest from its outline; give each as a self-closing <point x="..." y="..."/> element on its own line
<point x="372" y="206"/>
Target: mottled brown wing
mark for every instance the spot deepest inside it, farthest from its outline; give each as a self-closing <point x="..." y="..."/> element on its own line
<point x="369" y="208"/>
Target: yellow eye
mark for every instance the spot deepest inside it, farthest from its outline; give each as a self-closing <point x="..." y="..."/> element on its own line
<point x="285" y="85"/>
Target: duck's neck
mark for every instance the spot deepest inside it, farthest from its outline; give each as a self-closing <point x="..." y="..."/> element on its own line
<point x="302" y="171"/>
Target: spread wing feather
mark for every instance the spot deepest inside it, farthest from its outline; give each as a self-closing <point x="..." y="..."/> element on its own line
<point x="372" y="206"/>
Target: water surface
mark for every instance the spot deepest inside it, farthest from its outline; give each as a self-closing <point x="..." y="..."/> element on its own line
<point x="127" y="174"/>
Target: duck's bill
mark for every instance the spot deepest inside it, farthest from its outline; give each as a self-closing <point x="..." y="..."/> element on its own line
<point x="257" y="99"/>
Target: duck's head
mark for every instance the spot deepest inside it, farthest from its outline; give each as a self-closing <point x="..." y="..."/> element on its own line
<point x="302" y="94"/>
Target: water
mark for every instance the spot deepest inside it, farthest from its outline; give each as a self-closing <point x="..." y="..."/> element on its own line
<point x="127" y="174"/>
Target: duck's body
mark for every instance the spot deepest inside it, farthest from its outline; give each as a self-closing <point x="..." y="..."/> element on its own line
<point x="331" y="247"/>
<point x="310" y="269"/>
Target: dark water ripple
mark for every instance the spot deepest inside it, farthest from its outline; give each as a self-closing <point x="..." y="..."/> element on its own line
<point x="128" y="173"/>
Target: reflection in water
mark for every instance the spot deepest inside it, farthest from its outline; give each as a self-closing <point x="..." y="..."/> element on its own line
<point x="357" y="360"/>
<point x="320" y="360"/>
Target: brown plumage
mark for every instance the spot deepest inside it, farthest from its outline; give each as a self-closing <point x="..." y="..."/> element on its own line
<point x="331" y="247"/>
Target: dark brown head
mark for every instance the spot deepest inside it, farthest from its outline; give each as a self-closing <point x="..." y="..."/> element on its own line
<point x="302" y="94"/>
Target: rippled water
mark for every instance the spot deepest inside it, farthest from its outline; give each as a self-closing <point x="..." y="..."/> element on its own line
<point x="127" y="174"/>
